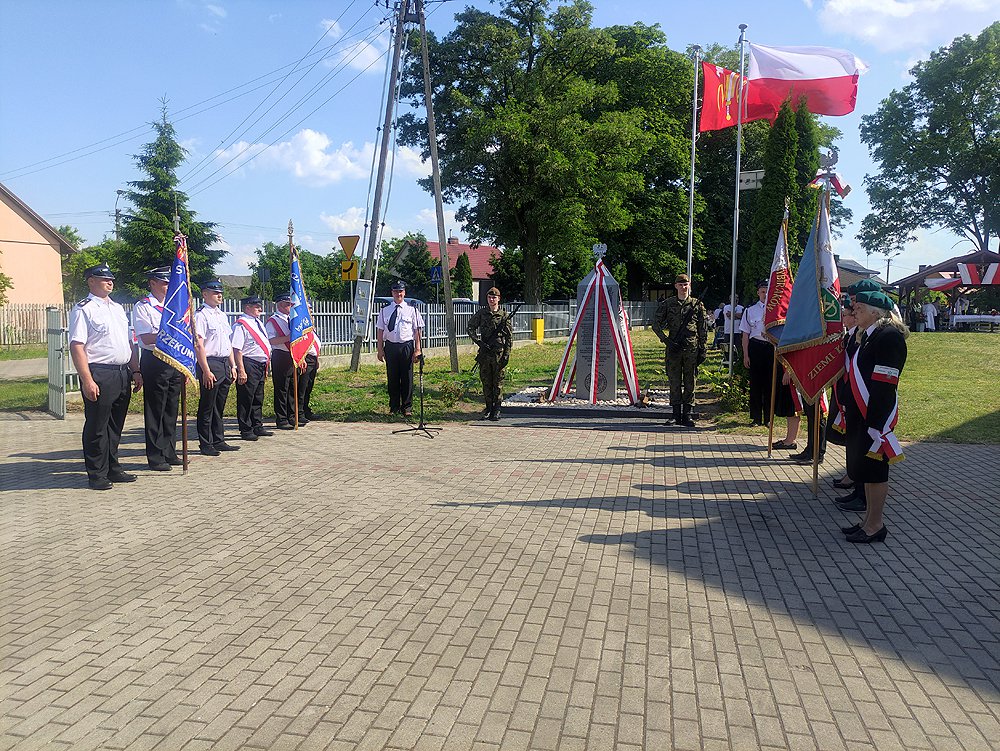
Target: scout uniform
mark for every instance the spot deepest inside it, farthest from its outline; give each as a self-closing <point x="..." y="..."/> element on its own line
<point x="161" y="382"/>
<point x="492" y="332"/>
<point x="100" y="325"/>
<point x="278" y="329"/>
<point x="686" y="322"/>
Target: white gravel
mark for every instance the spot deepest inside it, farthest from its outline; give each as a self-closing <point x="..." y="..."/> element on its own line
<point x="537" y="397"/>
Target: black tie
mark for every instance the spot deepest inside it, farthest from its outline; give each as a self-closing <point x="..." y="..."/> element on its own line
<point x="392" y="319"/>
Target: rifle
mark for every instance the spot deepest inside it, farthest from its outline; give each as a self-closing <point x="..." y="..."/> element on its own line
<point x="491" y="341"/>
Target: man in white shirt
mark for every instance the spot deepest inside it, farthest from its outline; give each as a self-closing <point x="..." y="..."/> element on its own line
<point x="278" y="328"/>
<point x="162" y="382"/>
<point x="252" y="352"/>
<point x="758" y="357"/>
<point x="216" y="368"/>
<point x="930" y="312"/>
<point x="307" y="378"/>
<point x="731" y="324"/>
<point x="398" y="328"/>
<point x="109" y="373"/>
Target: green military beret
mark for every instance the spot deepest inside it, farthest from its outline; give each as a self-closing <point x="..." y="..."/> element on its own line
<point x="874" y="299"/>
<point x="864" y="285"/>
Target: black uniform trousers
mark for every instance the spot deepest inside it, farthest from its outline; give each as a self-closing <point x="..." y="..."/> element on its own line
<point x="282" y="372"/>
<point x="161" y="391"/>
<point x="307" y="379"/>
<point x="104" y="420"/>
<point x="212" y="403"/>
<point x="761" y="356"/>
<point x="250" y="397"/>
<point x="399" y="374"/>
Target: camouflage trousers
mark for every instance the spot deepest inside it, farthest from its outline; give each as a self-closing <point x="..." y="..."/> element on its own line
<point x="491" y="375"/>
<point x="682" y="369"/>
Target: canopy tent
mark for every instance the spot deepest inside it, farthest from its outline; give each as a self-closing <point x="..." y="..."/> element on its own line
<point x="955" y="276"/>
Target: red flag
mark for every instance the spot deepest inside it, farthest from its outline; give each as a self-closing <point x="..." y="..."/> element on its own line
<point x="718" y="108"/>
<point x="826" y="77"/>
<point x="779" y="287"/>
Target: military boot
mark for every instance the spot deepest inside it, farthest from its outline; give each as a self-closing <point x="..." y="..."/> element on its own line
<point x="687" y="421"/>
<point x="488" y="411"/>
<point x="677" y="415"/>
<point x="495" y="414"/>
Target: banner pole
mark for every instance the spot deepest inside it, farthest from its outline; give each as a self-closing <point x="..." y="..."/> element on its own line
<point x="815" y="440"/>
<point x="770" y="422"/>
<point x="696" y="49"/>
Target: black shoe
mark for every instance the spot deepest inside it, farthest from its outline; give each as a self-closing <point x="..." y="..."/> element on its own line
<point x="858" y="504"/>
<point x="686" y="420"/>
<point x="840" y="485"/>
<point x="847" y="498"/>
<point x="210" y="451"/>
<point x="782" y="445"/>
<point x="495" y="415"/>
<point x="226" y="447"/>
<point x="160" y="467"/>
<point x="121" y="477"/>
<point x="755" y="423"/>
<point x="100" y="484"/>
<point x="808" y="459"/>
<point x="261" y="433"/>
<point x="175" y="462"/>
<point x="407" y="413"/>
<point x="284" y="426"/>
<point x="864" y="538"/>
<point x="801" y="455"/>
<point x="303" y="422"/>
<point x="486" y="413"/>
<point x="310" y="416"/>
<point x="850" y="530"/>
<point x="249" y="436"/>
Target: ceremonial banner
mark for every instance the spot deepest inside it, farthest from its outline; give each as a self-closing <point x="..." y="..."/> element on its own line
<point x="301" y="336"/>
<point x="811" y="343"/>
<point x="175" y="339"/>
<point x="827" y="77"/>
<point x="718" y="108"/>
<point x="779" y="287"/>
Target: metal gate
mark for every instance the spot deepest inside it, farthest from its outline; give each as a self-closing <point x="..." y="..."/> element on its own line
<point x="55" y="334"/>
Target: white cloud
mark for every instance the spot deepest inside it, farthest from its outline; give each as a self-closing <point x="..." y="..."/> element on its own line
<point x="333" y="29"/>
<point x="361" y="55"/>
<point x="348" y="222"/>
<point x="427" y="218"/>
<point x="216" y="10"/>
<point x="238" y="259"/>
<point x="896" y="25"/>
<point x="311" y="158"/>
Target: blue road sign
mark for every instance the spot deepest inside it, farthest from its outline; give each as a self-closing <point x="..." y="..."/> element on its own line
<point x="435" y="275"/>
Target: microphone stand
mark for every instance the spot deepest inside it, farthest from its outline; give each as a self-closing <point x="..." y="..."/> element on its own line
<point x="421" y="427"/>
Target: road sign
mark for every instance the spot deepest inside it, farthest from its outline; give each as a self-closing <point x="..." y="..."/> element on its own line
<point x="349" y="271"/>
<point x="752" y="179"/>
<point x="349" y="243"/>
<point x="436" y="275"/>
<point x="362" y="304"/>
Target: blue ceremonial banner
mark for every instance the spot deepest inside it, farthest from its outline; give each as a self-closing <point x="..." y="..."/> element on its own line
<point x="301" y="336"/>
<point x="175" y="340"/>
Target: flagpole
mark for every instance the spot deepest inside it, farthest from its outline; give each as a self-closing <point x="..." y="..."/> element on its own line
<point x="696" y="49"/>
<point x="815" y="439"/>
<point x="295" y="368"/>
<point x="740" y="100"/>
<point x="184" y="412"/>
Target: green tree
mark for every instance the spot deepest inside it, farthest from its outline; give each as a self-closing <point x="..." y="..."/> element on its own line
<point x="109" y="251"/>
<point x="320" y="274"/>
<point x="409" y="260"/>
<point x="462" y="282"/>
<point x="148" y="226"/>
<point x="780" y="183"/>
<point x="537" y="157"/>
<point x="937" y="144"/>
<point x="6" y="283"/>
<point x="508" y="273"/>
<point x="806" y="165"/>
<point x="71" y="235"/>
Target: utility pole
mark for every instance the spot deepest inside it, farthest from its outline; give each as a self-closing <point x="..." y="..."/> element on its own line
<point x="367" y="271"/>
<point x="449" y="308"/>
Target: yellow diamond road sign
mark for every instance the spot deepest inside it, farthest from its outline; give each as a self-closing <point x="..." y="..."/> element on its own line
<point x="349" y="243"/>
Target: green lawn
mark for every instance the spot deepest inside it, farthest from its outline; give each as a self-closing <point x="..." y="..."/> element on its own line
<point x="948" y="391"/>
<point x="23" y="351"/>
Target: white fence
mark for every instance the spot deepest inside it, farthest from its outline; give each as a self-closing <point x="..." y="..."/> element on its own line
<point x="26" y="324"/>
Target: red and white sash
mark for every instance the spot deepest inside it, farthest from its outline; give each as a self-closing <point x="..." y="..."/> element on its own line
<point x="884" y="441"/>
<point x="264" y="345"/>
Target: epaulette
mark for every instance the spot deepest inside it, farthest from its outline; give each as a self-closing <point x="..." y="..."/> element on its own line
<point x="83" y="302"/>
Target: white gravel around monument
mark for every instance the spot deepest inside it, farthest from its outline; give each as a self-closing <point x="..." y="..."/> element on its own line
<point x="536" y="396"/>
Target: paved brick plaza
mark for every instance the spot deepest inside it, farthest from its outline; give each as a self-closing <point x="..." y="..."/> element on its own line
<point x="499" y="587"/>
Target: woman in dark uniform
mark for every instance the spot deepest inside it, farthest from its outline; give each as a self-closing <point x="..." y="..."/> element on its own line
<point x="872" y="412"/>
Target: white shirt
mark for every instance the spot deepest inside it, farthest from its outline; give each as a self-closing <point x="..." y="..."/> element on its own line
<point x="146" y="319"/>
<point x="212" y="325"/>
<point x="281" y="327"/>
<point x="753" y="321"/>
<point x="729" y="318"/>
<point x="102" y="327"/>
<point x="247" y="344"/>
<point x="408" y="322"/>
<point x="930" y="311"/>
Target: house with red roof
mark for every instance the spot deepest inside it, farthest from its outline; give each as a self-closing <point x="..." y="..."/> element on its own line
<point x="479" y="259"/>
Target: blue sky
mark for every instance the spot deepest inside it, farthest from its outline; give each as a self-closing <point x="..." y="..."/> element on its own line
<point x="82" y="80"/>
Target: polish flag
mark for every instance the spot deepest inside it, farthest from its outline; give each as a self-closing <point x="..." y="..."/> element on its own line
<point x="941" y="285"/>
<point x="827" y="77"/>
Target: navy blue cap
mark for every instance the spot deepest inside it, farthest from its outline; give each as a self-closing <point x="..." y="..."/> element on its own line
<point x="101" y="271"/>
<point x="160" y="272"/>
<point x="400" y="284"/>
<point x="283" y="297"/>
<point x="252" y="300"/>
<point x="213" y="284"/>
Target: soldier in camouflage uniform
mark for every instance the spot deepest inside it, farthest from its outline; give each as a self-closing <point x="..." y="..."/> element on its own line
<point x="490" y="329"/>
<point x="685" y="319"/>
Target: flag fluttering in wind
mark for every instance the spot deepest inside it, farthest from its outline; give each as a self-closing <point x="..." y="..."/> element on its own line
<point x="779" y="287"/>
<point x="301" y="335"/>
<point x="968" y="276"/>
<point x="827" y="77"/>
<point x="811" y="341"/>
<point x="175" y="339"/>
<point x="719" y="100"/>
